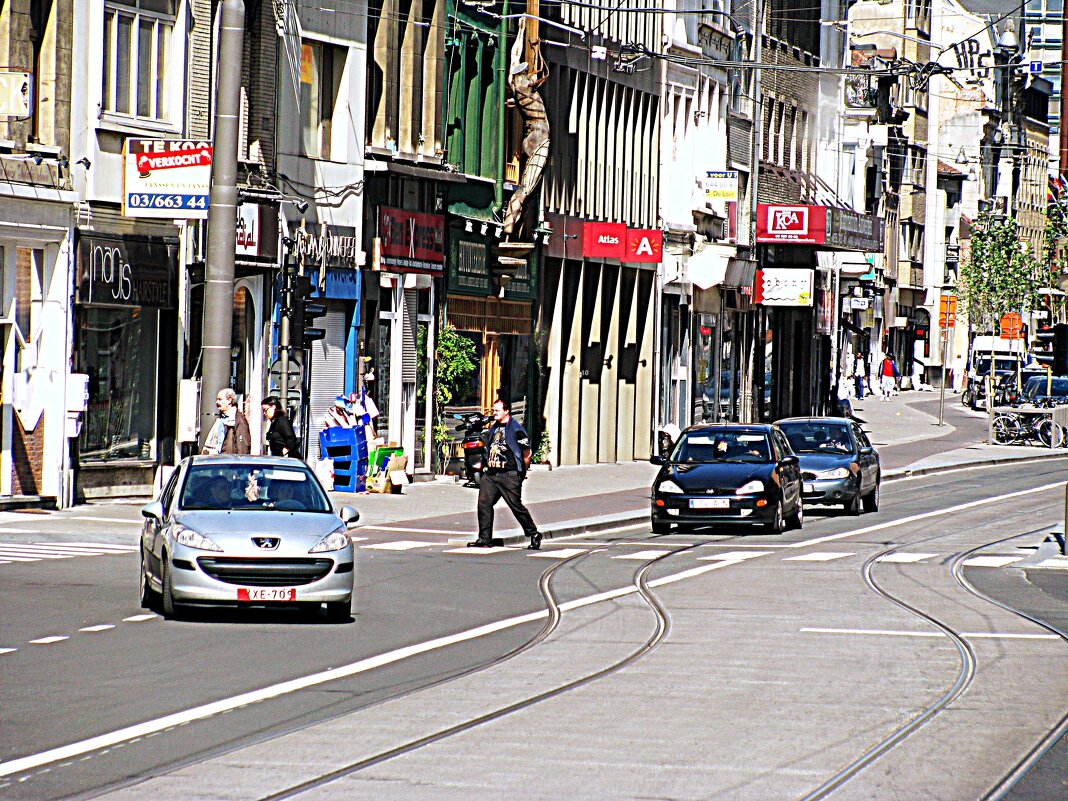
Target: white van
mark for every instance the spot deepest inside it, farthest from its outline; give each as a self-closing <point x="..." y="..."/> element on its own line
<point x="1009" y="355"/>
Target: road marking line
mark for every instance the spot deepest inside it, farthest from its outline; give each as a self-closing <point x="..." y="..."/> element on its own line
<point x="641" y="555"/>
<point x="450" y="533"/>
<point x="8" y="650"/>
<point x="975" y="635"/>
<point x="19" y="531"/>
<point x="559" y="553"/>
<point x="104" y="546"/>
<point x="1058" y="562"/>
<point x="478" y="551"/>
<point x="927" y="515"/>
<point x="10" y="558"/>
<point x="48" y="640"/>
<point x="101" y="627"/>
<point x="151" y="727"/>
<point x="827" y="556"/>
<point x="400" y="545"/>
<point x="139" y="618"/>
<point x="8" y="552"/>
<point x="905" y="558"/>
<point x="107" y="519"/>
<point x="87" y="549"/>
<point x="991" y="561"/>
<point x="734" y="556"/>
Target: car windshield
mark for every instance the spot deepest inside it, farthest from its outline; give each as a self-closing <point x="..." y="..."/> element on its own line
<point x="1001" y="364"/>
<point x="816" y="437"/>
<point x="722" y="446"/>
<point x="252" y="486"/>
<point x="1037" y="387"/>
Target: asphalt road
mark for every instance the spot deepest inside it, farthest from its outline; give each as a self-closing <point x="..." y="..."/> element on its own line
<point x="767" y="676"/>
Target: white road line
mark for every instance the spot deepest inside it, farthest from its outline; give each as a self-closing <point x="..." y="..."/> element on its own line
<point x="974" y="635"/>
<point x="734" y="556"/>
<point x="11" y="558"/>
<point x="927" y="515"/>
<point x="8" y="650"/>
<point x="107" y="520"/>
<point x="1058" y="562"/>
<point x="8" y="552"/>
<point x="139" y="618"/>
<point x="150" y="727"/>
<point x="49" y="640"/>
<point x="826" y="556"/>
<point x="641" y="555"/>
<point x="88" y="549"/>
<point x="905" y="558"/>
<point x="358" y="539"/>
<point x="559" y="553"/>
<point x="400" y="545"/>
<point x="105" y="546"/>
<point x="4" y="530"/>
<point x="101" y="627"/>
<point x="991" y="561"/>
<point x="480" y="551"/>
<point x="421" y="530"/>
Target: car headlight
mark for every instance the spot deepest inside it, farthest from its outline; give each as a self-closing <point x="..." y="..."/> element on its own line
<point x="756" y="485"/>
<point x="334" y="541"/>
<point x="669" y="486"/>
<point x="194" y="539"/>
<point x="838" y="472"/>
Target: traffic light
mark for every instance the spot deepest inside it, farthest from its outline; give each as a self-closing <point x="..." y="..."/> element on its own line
<point x="305" y="311"/>
<point x="1051" y="348"/>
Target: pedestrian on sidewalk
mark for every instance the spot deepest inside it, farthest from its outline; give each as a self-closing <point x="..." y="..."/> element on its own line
<point x="860" y="374"/>
<point x="281" y="438"/>
<point x="507" y="460"/>
<point x="888" y="372"/>
<point x="230" y="434"/>
<point x="845" y="397"/>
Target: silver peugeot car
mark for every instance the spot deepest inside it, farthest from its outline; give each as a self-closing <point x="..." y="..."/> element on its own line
<point x="246" y="531"/>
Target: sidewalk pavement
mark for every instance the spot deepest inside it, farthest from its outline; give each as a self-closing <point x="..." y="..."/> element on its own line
<point x="574" y="500"/>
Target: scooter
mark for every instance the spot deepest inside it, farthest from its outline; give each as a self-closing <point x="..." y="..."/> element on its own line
<point x="472" y="425"/>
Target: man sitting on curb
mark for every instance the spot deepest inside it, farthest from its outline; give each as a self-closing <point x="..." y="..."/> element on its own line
<point x="507" y="461"/>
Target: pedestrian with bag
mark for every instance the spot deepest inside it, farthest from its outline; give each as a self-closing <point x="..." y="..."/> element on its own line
<point x="281" y="438"/>
<point x="230" y="434"/>
<point x="507" y="461"/>
<point x="845" y="397"/>
<point x="888" y="373"/>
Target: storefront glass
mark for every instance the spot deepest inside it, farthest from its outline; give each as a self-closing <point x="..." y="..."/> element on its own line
<point x="117" y="349"/>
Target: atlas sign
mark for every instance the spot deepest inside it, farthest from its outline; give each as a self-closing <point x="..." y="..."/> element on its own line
<point x="616" y="241"/>
<point x="795" y="224"/>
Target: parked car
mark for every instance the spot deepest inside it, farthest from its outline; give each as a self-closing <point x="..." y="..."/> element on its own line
<point x="1009" y="389"/>
<point x="728" y="473"/>
<point x="1040" y="389"/>
<point x="246" y="531"/>
<point x="839" y="465"/>
<point x="973" y="392"/>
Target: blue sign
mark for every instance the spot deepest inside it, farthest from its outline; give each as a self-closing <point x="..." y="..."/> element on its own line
<point x="1035" y="67"/>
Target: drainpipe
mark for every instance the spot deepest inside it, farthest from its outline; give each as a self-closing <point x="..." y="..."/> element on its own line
<point x="222" y="215"/>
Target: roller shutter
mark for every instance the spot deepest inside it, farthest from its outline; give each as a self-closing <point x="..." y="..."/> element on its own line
<point x="328" y="369"/>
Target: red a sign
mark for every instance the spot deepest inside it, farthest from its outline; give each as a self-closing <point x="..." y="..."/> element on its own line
<point x="644" y="246"/>
<point x="604" y="240"/>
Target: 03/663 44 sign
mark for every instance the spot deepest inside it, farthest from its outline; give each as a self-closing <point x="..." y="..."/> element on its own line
<point x="168" y="179"/>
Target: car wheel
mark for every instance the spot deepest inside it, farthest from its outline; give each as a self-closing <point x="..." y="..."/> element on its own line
<point x="852" y="506"/>
<point x="149" y="597"/>
<point x="339" y="611"/>
<point x="797" y="519"/>
<point x="871" y="500"/>
<point x="660" y="528"/>
<point x="167" y="599"/>
<point x="777" y="525"/>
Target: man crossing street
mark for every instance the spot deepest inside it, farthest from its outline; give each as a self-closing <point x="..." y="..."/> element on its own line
<point x="507" y="461"/>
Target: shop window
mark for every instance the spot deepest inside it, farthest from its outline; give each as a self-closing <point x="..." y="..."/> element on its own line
<point x="29" y="292"/>
<point x="321" y="68"/>
<point x="117" y="350"/>
<point x="137" y="40"/>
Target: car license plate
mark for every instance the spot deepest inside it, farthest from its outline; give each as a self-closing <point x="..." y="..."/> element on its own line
<point x="810" y="488"/>
<point x="710" y="503"/>
<point x="267" y="594"/>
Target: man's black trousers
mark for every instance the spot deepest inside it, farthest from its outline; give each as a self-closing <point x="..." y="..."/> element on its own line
<point x="502" y="485"/>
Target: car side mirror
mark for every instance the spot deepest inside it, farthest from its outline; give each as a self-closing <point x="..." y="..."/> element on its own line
<point x="867" y="451"/>
<point x="656" y="458"/>
<point x="789" y="460"/>
<point x="153" y="511"/>
<point x="348" y="515"/>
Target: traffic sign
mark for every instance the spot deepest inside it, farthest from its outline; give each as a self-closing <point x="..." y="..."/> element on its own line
<point x="295" y="373"/>
<point x="947" y="311"/>
<point x="1034" y="67"/>
<point x="1011" y="326"/>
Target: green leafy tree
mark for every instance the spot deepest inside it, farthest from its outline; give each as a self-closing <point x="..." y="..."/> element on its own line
<point x="1054" y="239"/>
<point x="455" y="361"/>
<point x="1000" y="275"/>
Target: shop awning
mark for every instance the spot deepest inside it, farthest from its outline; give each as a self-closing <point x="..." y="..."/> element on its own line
<point x="708" y="267"/>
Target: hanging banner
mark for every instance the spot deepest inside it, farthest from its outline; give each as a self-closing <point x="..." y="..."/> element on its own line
<point x="411" y="240"/>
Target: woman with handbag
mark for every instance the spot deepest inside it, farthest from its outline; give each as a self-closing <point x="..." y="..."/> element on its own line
<point x="281" y="439"/>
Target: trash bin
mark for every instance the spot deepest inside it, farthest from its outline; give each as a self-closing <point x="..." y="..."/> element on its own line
<point x="347" y="447"/>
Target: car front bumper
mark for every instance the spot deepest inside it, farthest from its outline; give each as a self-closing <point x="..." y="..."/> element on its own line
<point x="208" y="577"/>
<point x="829" y="490"/>
<point x="741" y="510"/>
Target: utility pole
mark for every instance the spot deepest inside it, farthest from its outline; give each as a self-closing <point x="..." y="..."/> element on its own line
<point x="748" y="413"/>
<point x="222" y="215"/>
<point x="1062" y="134"/>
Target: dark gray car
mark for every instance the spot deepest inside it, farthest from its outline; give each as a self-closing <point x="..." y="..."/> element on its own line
<point x="839" y="465"/>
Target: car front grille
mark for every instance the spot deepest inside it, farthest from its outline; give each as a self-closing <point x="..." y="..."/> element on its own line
<point x="272" y="572"/>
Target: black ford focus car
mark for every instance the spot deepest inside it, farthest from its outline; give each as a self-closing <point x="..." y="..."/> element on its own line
<point x="732" y="474"/>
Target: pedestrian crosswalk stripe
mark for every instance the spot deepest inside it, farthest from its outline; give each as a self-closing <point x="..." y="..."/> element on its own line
<point x="476" y="551"/>
<point x="65" y="548"/>
<point x="138" y="618"/>
<point x="641" y="555"/>
<point x="400" y="545"/>
<point x="101" y="627"/>
<point x="991" y="561"/>
<point x="8" y="650"/>
<point x="828" y="556"/>
<point x="906" y="558"/>
<point x="108" y="520"/>
<point x="734" y="556"/>
<point x="559" y="553"/>
<point x="1058" y="562"/>
<point x="102" y="546"/>
<point x="12" y="552"/>
<point x="48" y="640"/>
<point x="38" y="553"/>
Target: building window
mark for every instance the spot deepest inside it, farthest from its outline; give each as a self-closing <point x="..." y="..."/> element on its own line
<point x="321" y="67"/>
<point x="137" y="36"/>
